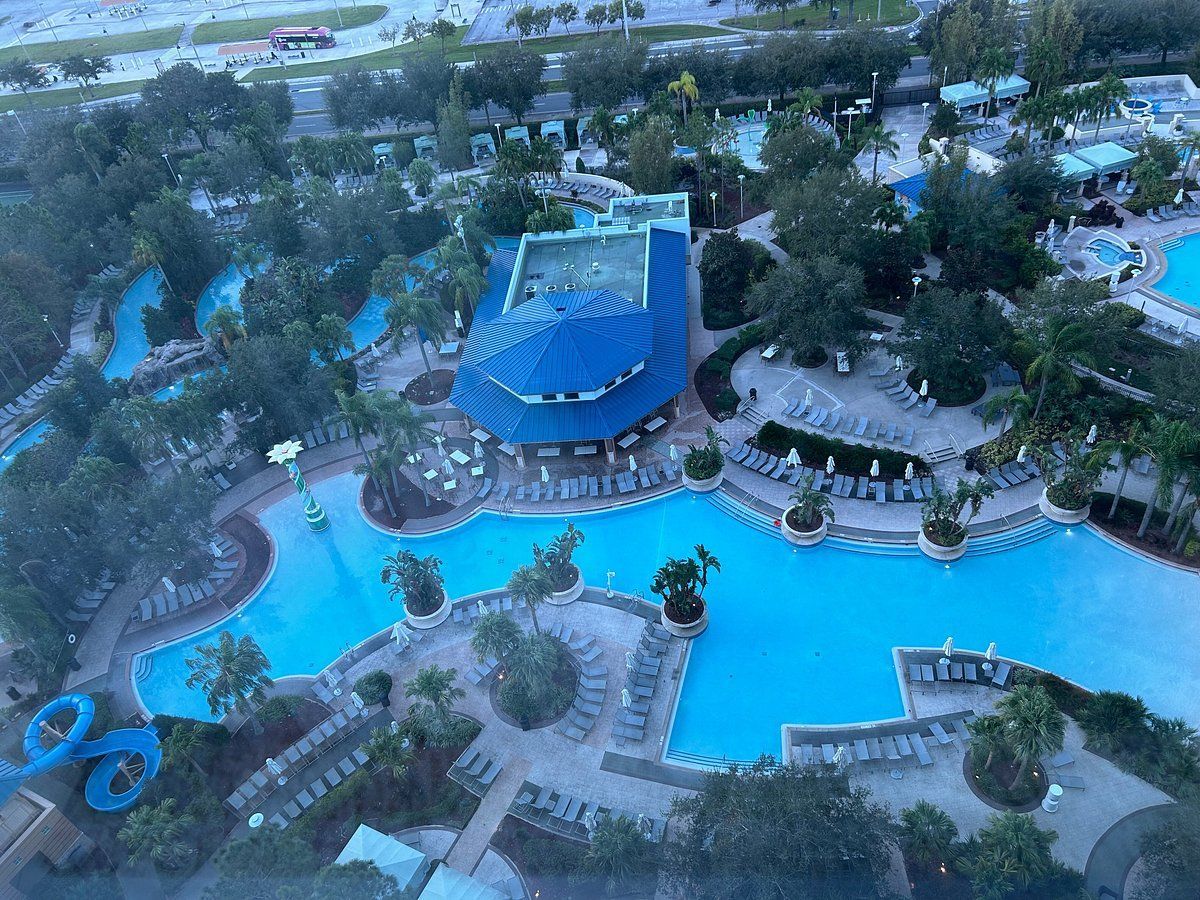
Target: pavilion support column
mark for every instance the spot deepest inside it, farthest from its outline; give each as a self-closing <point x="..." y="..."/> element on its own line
<point x="520" y="455"/>
<point x="610" y="451"/>
<point x="676" y="406"/>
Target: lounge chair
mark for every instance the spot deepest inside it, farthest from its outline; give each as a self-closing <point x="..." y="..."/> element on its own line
<point x="822" y="415"/>
<point x="936" y="729"/>
<point x="1001" y="676"/>
<point x="862" y="488"/>
<point x="927" y="672"/>
<point x="918" y="745"/>
<point x="751" y="460"/>
<point x="914" y="672"/>
<point x="739" y="453"/>
<point x="943" y="671"/>
<point x="901" y="389"/>
<point x="1062" y="759"/>
<point x="890" y="750"/>
<point x="956" y="671"/>
<point x="861" y="429"/>
<point x="903" y="745"/>
<point x="1068" y="781"/>
<point x="834" y="418"/>
<point x="960" y="729"/>
<point x="910" y="402"/>
<point x="791" y="405"/>
<point x="996" y="477"/>
<point x="970" y="673"/>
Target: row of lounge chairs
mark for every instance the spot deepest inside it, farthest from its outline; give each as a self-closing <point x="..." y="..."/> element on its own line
<point x="837" y="485"/>
<point x="965" y="672"/>
<point x="906" y="398"/>
<point x="34" y="394"/>
<point x="858" y="426"/>
<point x="570" y="816"/>
<point x="468" y="613"/>
<point x="325" y="433"/>
<point x="642" y="668"/>
<point x="319" y="787"/>
<point x="1013" y="473"/>
<point x="90" y="600"/>
<point x="585" y="486"/>
<point x="888" y="746"/>
<point x="475" y="772"/>
<point x="581" y="189"/>
<point x="590" y="689"/>
<point x="1168" y="213"/>
<point x="164" y="603"/>
<point x="319" y="739"/>
<point x="1060" y="761"/>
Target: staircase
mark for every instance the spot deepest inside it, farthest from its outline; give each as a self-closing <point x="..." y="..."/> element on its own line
<point x="744" y="514"/>
<point x="1170" y="244"/>
<point x="751" y="415"/>
<point x="700" y="761"/>
<point x="1011" y="538"/>
<point x="934" y="455"/>
<point x="142" y="667"/>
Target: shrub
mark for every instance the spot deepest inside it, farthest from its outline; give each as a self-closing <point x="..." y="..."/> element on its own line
<point x="374" y="687"/>
<point x="279" y="707"/>
<point x="728" y="266"/>
<point x="707" y="460"/>
<point x="815" y="449"/>
<point x="712" y="376"/>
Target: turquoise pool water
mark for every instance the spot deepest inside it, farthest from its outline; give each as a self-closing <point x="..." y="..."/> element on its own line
<point x="1182" y="278"/>
<point x="129" y="337"/>
<point x="748" y="144"/>
<point x="1111" y="254"/>
<point x="795" y="636"/>
<point x="26" y="439"/>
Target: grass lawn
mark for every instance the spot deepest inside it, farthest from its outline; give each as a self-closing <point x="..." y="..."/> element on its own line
<point x="895" y="12"/>
<point x="100" y="45"/>
<point x="68" y="96"/>
<point x="455" y="51"/>
<point x="257" y="29"/>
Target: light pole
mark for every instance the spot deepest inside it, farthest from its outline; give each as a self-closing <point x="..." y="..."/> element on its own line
<point x="47" y="20"/>
<point x="21" y="42"/>
<point x="499" y="136"/>
<point x="741" y="196"/>
<point x="13" y="113"/>
<point x="285" y="455"/>
<point x="461" y="232"/>
<point x="924" y="111"/>
<point x="874" y="82"/>
<point x="46" y="319"/>
<point x="915" y="282"/>
<point x="713" y="198"/>
<point x="171" y="169"/>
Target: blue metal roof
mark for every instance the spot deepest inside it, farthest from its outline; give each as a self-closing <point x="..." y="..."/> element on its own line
<point x="910" y="188"/>
<point x="560" y="342"/>
<point x="481" y="396"/>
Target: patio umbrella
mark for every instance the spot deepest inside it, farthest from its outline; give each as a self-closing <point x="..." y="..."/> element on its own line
<point x="458" y="322"/>
<point x="439" y="441"/>
<point x="674" y="453"/>
<point x="793" y="458"/>
<point x="717" y="114"/>
<point x="1092" y="434"/>
<point x="1022" y="453"/>
<point x="400" y="634"/>
<point x="357" y="700"/>
<point x="874" y="468"/>
<point x="626" y="698"/>
<point x="375" y="352"/>
<point x="483" y="610"/>
<point x="770" y="105"/>
<point x="991" y="651"/>
<point x="948" y="647"/>
<point x="329" y="679"/>
<point x="448" y="466"/>
<point x="839" y="756"/>
<point x="630" y="662"/>
<point x="477" y="450"/>
<point x="273" y="767"/>
<point x="924" y="387"/>
<point x="214" y="550"/>
<point x="632" y="463"/>
<point x="808" y="397"/>
<point x="1179" y="196"/>
<point x="545" y="475"/>
<point x="908" y="472"/>
<point x="899" y="363"/>
<point x="829" y="466"/>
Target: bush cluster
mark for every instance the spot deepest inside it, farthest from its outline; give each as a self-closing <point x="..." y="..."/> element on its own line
<point x="815" y="449"/>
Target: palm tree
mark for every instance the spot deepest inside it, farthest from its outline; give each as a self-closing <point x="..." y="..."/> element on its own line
<point x="878" y="139"/>
<point x="533" y="662"/>
<point x="91" y="143"/>
<point x="466" y="284"/>
<point x="181" y="744"/>
<point x="1063" y="344"/>
<point x="248" y="258"/>
<point x="226" y="323"/>
<point x="495" y="635"/>
<point x="688" y="91"/>
<point x="987" y="736"/>
<point x="1015" y="404"/>
<point x="157" y="832"/>
<point x="1106" y="94"/>
<point x="332" y="335"/>
<point x="1186" y="474"/>
<point x="139" y="420"/>
<point x="378" y="466"/>
<point x="604" y="125"/>
<point x="531" y="584"/>
<point x="618" y="851"/>
<point x="1019" y="846"/>
<point x="422" y="314"/>
<point x="362" y="414"/>
<point x="995" y="64"/>
<point x="811" y="506"/>
<point x="1126" y="449"/>
<point x="706" y="561"/>
<point x="434" y="694"/>
<point x="390" y="750"/>
<point x="1033" y="725"/>
<point x="927" y="833"/>
<point x="1189" y="513"/>
<point x="147" y="250"/>
<point x="807" y="101"/>
<point x="1113" y="720"/>
<point x="405" y="431"/>
<point x="1170" y="441"/>
<point x="232" y="673"/>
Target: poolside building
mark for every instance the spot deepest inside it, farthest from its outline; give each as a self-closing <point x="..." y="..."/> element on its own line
<point x="581" y="335"/>
<point x="971" y="93"/>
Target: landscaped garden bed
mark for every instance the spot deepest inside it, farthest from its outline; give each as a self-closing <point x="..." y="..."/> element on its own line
<point x="425" y="391"/>
<point x="952" y="393"/>
<point x="1004" y="785"/>
<point x="712" y="376"/>
<point x="409" y="504"/>
<point x="1124" y="526"/>
<point x="517" y="704"/>
<point x="849" y="458"/>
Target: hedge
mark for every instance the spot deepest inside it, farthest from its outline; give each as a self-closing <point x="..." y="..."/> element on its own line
<point x="815" y="449"/>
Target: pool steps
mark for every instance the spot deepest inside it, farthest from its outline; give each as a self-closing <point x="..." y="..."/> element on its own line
<point x="1170" y="244"/>
<point x="142" y="667"/>
<point x="699" y="760"/>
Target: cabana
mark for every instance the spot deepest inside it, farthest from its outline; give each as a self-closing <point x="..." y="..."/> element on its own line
<point x="385" y="157"/>
<point x="1107" y="158"/>
<point x="1073" y="169"/>
<point x="972" y="93"/>
<point x="426" y="147"/>
<point x="482" y="147"/>
<point x="581" y="130"/>
<point x="517" y="133"/>
<point x="392" y="857"/>
<point x="451" y="884"/>
<point x="555" y="132"/>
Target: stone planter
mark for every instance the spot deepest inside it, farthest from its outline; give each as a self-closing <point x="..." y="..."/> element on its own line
<point x="1059" y="514"/>
<point x="691" y="630"/>
<point x="703" y="485"/>
<point x="571" y="594"/>
<point x="937" y="551"/>
<point x="802" y="538"/>
<point x="435" y="618"/>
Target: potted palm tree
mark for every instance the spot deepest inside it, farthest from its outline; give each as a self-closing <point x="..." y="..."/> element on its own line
<point x="681" y="584"/>
<point x="1067" y="496"/>
<point x="702" y="466"/>
<point x="419" y="583"/>
<point x="943" y="534"/>
<point x="806" y="521"/>
<point x="566" y="580"/>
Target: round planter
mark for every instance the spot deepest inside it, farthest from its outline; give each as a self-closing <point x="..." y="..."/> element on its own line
<point x="802" y="538"/>
<point x="571" y="594"/>
<point x="703" y="485"/>
<point x="691" y="630"/>
<point x="937" y="551"/>
<point x="1060" y="515"/>
<point x="435" y="618"/>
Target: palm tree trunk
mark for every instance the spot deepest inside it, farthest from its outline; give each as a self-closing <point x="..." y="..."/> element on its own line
<point x="1003" y="422"/>
<point x="1176" y="504"/>
<point x="387" y="498"/>
<point x="1042" y="392"/>
<point x="1150" y="505"/>
<point x="1112" y="510"/>
<point x="1184" y="534"/>
<point x="533" y="615"/>
<point x="425" y="357"/>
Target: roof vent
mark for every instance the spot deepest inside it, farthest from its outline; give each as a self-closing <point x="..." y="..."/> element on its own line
<point x="570" y="286"/>
<point x="551" y="287"/>
<point x="530" y="290"/>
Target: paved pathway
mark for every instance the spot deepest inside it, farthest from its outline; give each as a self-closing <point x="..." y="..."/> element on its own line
<point x="471" y="845"/>
<point x="1119" y="848"/>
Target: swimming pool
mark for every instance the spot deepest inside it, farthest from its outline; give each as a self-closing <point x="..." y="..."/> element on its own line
<point x="747" y="143"/>
<point x="809" y="644"/>
<point x="1112" y="254"/>
<point x="26" y="439"/>
<point x="129" y="336"/>
<point x="1181" y="281"/>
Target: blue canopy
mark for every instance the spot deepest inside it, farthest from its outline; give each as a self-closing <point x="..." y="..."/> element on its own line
<point x="972" y="93"/>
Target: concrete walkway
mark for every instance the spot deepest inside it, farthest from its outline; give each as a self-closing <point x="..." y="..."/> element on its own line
<point x="471" y="845"/>
<point x="1119" y="848"/>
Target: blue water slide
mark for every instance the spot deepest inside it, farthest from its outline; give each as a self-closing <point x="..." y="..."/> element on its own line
<point x="116" y="748"/>
<point x="42" y="760"/>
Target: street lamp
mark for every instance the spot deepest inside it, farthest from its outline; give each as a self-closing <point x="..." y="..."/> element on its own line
<point x="499" y="136"/>
<point x="874" y="82"/>
<point x="741" y="196"/>
<point x="13" y="113"/>
<point x="915" y="282"/>
<point x="46" y="319"/>
<point x="924" y="111"/>
<point x="171" y="169"/>
<point x="713" y="198"/>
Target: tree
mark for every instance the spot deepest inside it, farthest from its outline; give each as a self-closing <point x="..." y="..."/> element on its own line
<point x="1053" y="39"/>
<point x="85" y="69"/>
<point x="422" y="175"/>
<point x="441" y="29"/>
<point x="454" y="129"/>
<point x="952" y="338"/>
<point x="147" y="251"/>
<point x="331" y="336"/>
<point x="434" y="694"/>
<point x="604" y="74"/>
<point x="1013" y="853"/>
<point x="423" y="314"/>
<point x="686" y="89"/>
<point x="232" y="673"/>
<point x="1126" y="449"/>
<point x="555" y="217"/>
<point x="1172" y="854"/>
<point x="530" y="584"/>
<point x="187" y="101"/>
<point x="1171" y="442"/>
<point x="417" y="581"/>
<point x="876" y="140"/>
<point x="765" y="831"/>
<point x="811" y="305"/>
<point x="941" y="510"/>
<point x="157" y="832"/>
<point x="1115" y="722"/>
<point x="566" y="13"/>
<point x="1061" y="345"/>
<point x="512" y="78"/>
<point x="987" y="738"/>
<point x="652" y="161"/>
<point x="495" y="635"/>
<point x="390" y="33"/>
<point x="620" y="854"/>
<point x="782" y="5"/>
<point x="265" y="865"/>
<point x="1014" y="404"/>
<point x="22" y="75"/>
<point x="995" y="64"/>
<point x="812" y="507"/>
<point x="1033" y="726"/>
<point x="927" y="834"/>
<point x="387" y="749"/>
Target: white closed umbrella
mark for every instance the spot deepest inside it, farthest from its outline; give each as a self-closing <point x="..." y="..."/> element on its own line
<point x="673" y="453"/>
<point x="482" y="607"/>
<point x="448" y="466"/>
<point x="329" y="679"/>
<point x="874" y="468"/>
<point x="169" y="585"/>
<point x="400" y="634"/>
<point x="909" y="472"/>
<point x="948" y="647"/>
<point x="1022" y="453"/>
<point x="357" y="700"/>
<point x="274" y="767"/>
<point x="458" y="322"/>
<point x="839" y="756"/>
<point x="899" y="363"/>
<point x="924" y="387"/>
<point x="793" y="457"/>
<point x="808" y="397"/>
<point x="632" y="463"/>
<point x="477" y="450"/>
<point x="1093" y="432"/>
<point x="1179" y="196"/>
<point x="990" y="654"/>
<point x="630" y="662"/>
<point x="770" y="105"/>
<point x="829" y="466"/>
<point x="626" y="698"/>
<point x="545" y="475"/>
<point x="440" y="441"/>
<point x="214" y="550"/>
<point x="375" y="352"/>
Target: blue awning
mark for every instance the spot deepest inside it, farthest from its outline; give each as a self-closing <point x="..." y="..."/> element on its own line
<point x="972" y="93"/>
